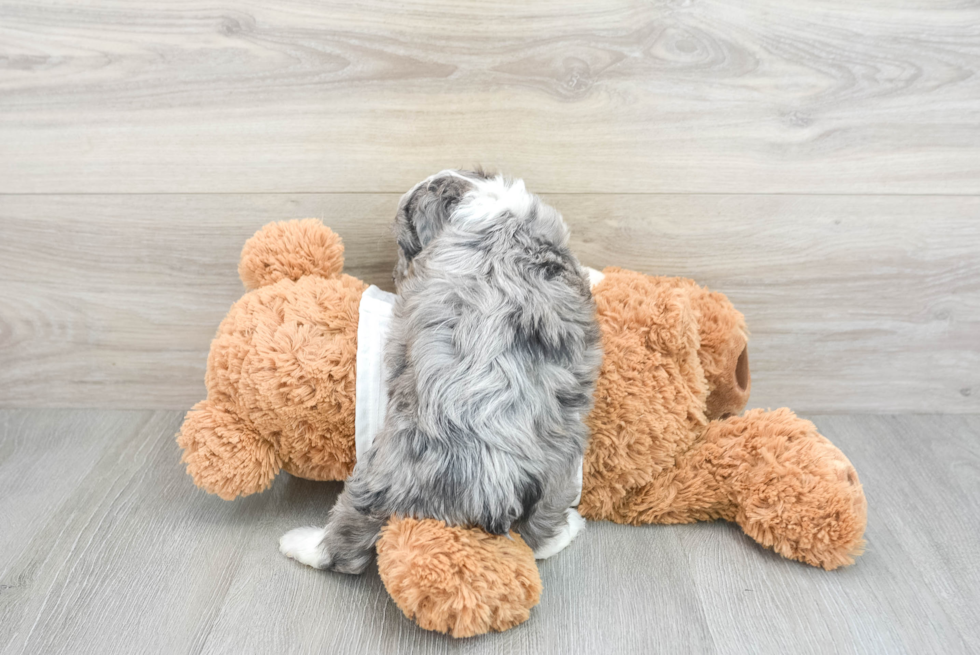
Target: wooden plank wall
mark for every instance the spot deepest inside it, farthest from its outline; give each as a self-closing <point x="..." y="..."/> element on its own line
<point x="819" y="162"/>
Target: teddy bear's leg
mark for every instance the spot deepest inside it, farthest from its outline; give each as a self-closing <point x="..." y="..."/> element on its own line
<point x="462" y="581"/>
<point x="790" y="488"/>
<point x="223" y="454"/>
<point x="684" y="493"/>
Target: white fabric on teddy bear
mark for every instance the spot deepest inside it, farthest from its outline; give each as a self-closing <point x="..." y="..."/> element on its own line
<point x="371" y="390"/>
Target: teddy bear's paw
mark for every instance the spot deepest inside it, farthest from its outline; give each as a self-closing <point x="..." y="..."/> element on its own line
<point x="305" y="546"/>
<point x="573" y="526"/>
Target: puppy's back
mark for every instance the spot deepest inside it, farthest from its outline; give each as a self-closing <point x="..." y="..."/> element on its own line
<point x="492" y="358"/>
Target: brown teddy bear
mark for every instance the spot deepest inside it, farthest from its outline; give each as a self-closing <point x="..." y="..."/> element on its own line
<point x="667" y="443"/>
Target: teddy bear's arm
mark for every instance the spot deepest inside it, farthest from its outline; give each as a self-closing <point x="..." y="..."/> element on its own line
<point x="223" y="454"/>
<point x="786" y="486"/>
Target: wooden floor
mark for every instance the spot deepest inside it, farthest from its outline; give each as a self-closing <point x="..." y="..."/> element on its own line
<point x="107" y="547"/>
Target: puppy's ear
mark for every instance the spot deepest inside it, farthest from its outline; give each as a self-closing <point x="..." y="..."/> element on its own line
<point x="425" y="210"/>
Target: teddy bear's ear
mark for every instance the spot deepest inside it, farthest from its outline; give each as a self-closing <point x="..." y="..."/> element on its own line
<point x="724" y="352"/>
<point x="290" y="249"/>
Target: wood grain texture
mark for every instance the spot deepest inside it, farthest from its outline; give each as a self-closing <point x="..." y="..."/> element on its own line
<point x="113" y="550"/>
<point x="855" y="303"/>
<point x="624" y="96"/>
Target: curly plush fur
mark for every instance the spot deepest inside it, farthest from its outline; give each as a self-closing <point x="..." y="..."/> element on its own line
<point x="662" y="449"/>
<point x="463" y="582"/>
<point x="656" y="457"/>
<point x="280" y="375"/>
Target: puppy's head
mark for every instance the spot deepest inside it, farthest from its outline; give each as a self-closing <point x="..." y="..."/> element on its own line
<point x="424" y="211"/>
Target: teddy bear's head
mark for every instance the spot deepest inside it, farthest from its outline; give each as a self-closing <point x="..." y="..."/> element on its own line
<point x="281" y="371"/>
<point x="675" y="358"/>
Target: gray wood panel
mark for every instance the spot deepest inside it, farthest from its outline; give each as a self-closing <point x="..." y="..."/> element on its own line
<point x="623" y="96"/>
<point x="108" y="548"/>
<point x="855" y="303"/>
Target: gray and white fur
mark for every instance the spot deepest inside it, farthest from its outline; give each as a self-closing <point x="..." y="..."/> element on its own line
<point x="491" y="359"/>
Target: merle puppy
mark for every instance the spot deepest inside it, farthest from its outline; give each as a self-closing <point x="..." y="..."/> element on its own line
<point x="491" y="359"/>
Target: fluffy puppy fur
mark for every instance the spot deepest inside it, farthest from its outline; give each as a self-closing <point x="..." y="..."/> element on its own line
<point x="492" y="360"/>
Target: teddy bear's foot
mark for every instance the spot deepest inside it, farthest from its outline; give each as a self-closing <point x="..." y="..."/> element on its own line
<point x="573" y="526"/>
<point x="305" y="545"/>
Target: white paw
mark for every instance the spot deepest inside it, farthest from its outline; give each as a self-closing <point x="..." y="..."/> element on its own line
<point x="303" y="545"/>
<point x="557" y="543"/>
